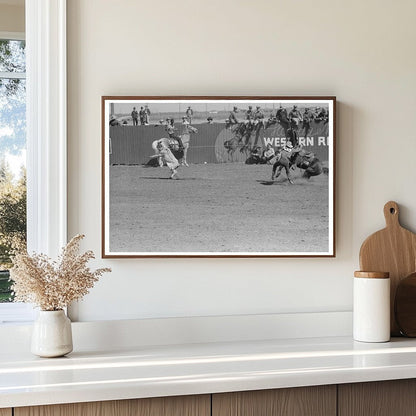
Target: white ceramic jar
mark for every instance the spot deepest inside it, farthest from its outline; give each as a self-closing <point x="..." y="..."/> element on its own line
<point x="371" y="310"/>
<point x="52" y="334"/>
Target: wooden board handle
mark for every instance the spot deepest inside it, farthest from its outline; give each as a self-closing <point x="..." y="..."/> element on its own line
<point x="391" y="214"/>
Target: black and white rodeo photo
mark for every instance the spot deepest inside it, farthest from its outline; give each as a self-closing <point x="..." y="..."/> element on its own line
<point x="218" y="176"/>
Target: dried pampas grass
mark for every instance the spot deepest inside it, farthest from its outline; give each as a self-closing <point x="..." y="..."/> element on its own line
<point x="53" y="285"/>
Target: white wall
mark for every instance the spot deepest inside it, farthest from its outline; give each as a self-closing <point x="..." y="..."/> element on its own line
<point x="361" y="51"/>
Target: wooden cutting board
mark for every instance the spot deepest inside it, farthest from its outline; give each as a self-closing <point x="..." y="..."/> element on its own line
<point x="393" y="250"/>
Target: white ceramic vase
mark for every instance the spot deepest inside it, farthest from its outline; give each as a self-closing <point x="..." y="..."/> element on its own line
<point x="52" y="334"/>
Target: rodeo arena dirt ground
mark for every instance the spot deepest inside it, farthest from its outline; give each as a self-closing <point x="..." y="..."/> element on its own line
<point x="221" y="207"/>
<point x="219" y="203"/>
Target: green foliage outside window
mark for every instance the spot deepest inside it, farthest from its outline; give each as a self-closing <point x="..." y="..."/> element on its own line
<point x="12" y="224"/>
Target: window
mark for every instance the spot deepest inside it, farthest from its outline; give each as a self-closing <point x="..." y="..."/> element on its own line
<point x="12" y="165"/>
<point x="12" y="154"/>
<point x="45" y="134"/>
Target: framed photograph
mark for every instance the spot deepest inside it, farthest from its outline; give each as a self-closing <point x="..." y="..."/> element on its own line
<point x="218" y="176"/>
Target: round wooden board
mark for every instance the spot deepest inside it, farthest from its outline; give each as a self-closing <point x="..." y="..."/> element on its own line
<point x="405" y="306"/>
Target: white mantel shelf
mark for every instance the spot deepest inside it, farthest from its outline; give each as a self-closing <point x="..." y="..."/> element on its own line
<point x="151" y="371"/>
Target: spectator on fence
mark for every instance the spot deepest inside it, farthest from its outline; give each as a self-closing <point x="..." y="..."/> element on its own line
<point x="270" y="121"/>
<point x="114" y="121"/>
<point x="210" y="120"/>
<point x="249" y="113"/>
<point x="307" y="118"/>
<point x="233" y="116"/>
<point x="147" y="115"/>
<point x="189" y="114"/>
<point x="142" y="116"/>
<point x="321" y="114"/>
<point x="258" y="114"/>
<point x="135" y="117"/>
<point x="295" y="116"/>
<point x="281" y="114"/>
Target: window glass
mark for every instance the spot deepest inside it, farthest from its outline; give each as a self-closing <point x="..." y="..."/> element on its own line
<point x="12" y="156"/>
<point x="12" y="56"/>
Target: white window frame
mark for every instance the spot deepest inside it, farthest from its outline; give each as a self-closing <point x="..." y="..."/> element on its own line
<point x="46" y="133"/>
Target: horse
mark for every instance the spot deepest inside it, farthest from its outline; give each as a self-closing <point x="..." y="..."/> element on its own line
<point x="281" y="162"/>
<point x="240" y="139"/>
<point x="258" y="125"/>
<point x="312" y="166"/>
<point x="243" y="136"/>
<point x="307" y="161"/>
<point x="231" y="145"/>
<point x="249" y="128"/>
<point x="296" y="157"/>
<point x="271" y="121"/>
<point x="300" y="158"/>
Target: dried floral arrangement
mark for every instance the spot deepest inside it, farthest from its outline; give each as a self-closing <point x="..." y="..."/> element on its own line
<point x="53" y="285"/>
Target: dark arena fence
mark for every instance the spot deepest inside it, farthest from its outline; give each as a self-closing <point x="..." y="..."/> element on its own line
<point x="132" y="145"/>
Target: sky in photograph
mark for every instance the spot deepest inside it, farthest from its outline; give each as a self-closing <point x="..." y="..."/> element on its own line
<point x="175" y="107"/>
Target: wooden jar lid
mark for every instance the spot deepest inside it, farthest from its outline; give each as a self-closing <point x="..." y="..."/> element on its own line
<point x="372" y="275"/>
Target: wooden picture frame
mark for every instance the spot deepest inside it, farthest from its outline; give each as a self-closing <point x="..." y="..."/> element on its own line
<point x="201" y="186"/>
